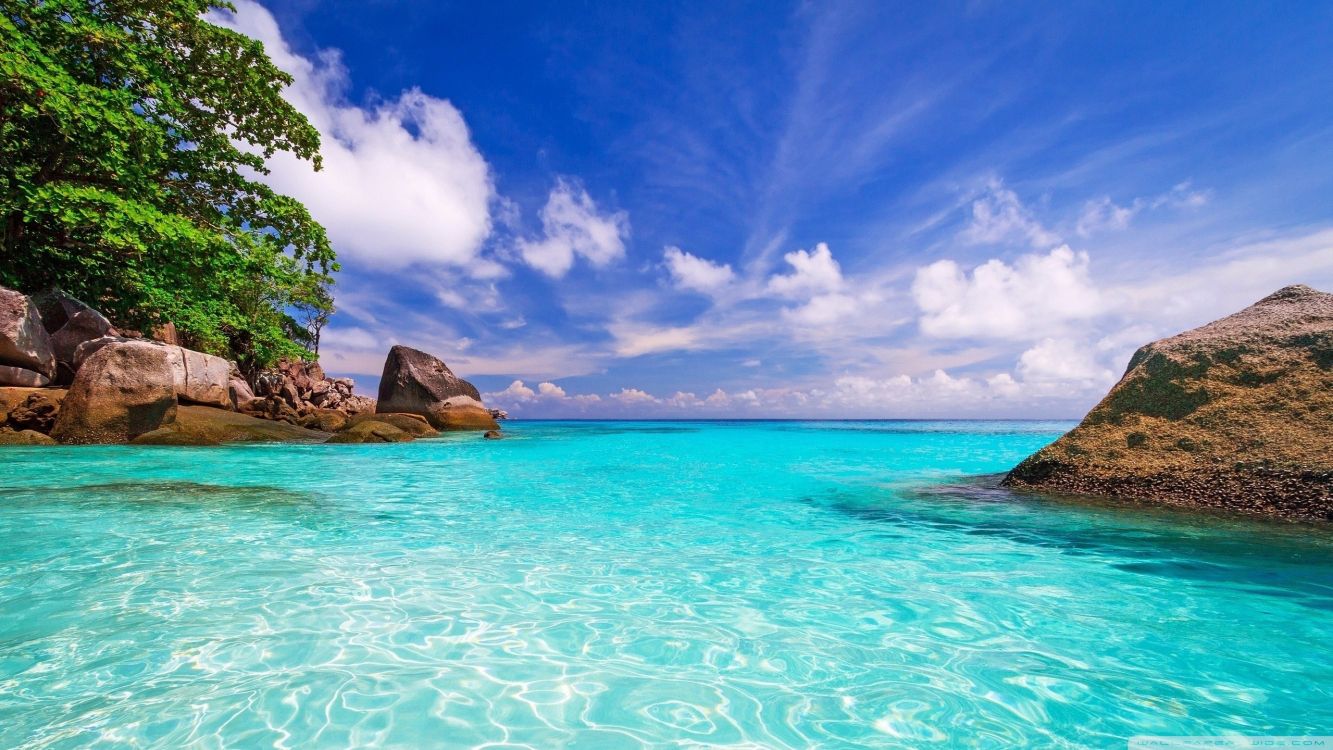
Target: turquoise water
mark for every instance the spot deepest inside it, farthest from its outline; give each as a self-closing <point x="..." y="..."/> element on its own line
<point x="609" y="585"/>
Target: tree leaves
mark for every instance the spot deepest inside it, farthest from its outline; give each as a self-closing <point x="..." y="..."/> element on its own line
<point x="129" y="132"/>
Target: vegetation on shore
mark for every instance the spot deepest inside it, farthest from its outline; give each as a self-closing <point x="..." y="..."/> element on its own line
<point x="131" y="134"/>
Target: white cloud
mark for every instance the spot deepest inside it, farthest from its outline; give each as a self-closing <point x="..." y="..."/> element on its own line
<point x="1103" y="214"/>
<point x="999" y="217"/>
<point x="1032" y="298"/>
<point x="573" y="227"/>
<point x="634" y="396"/>
<point x="821" y="310"/>
<point x="1062" y="360"/>
<point x="516" y="391"/>
<point x="812" y="272"/>
<point x="696" y="274"/>
<point x="550" y="390"/>
<point x="402" y="181"/>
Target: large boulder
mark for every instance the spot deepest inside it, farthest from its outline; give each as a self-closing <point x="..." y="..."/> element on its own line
<point x="121" y="391"/>
<point x="24" y="342"/>
<point x="1237" y="414"/>
<point x="200" y="378"/>
<point x="70" y="323"/>
<point x="415" y="382"/>
<point x="19" y="377"/>
<point x="204" y="425"/>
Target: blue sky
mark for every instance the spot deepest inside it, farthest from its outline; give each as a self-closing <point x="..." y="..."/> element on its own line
<point x="853" y="209"/>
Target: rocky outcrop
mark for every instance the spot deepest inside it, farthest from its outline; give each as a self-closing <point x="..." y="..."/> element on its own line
<point x="415" y="382"/>
<point x="24" y="342"/>
<point x="203" y="425"/>
<point x="1236" y="415"/>
<point x="123" y="390"/>
<point x="295" y="390"/>
<point x="69" y="323"/>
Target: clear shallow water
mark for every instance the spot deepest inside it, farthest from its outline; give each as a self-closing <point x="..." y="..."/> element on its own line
<point x="608" y="585"/>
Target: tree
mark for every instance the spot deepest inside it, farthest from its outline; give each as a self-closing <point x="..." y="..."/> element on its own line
<point x="131" y="134"/>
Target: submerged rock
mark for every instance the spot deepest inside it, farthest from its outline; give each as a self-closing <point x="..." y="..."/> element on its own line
<point x="120" y="392"/>
<point x="204" y="425"/>
<point x="371" y="431"/>
<point x="24" y="342"/>
<point x="413" y="424"/>
<point x="1237" y="414"/>
<point x="493" y="435"/>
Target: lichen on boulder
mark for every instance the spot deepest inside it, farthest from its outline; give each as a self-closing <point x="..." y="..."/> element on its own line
<point x="1236" y="415"/>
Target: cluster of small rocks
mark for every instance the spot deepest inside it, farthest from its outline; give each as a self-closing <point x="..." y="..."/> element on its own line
<point x="299" y="393"/>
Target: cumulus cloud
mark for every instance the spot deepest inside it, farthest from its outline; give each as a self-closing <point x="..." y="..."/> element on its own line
<point x="402" y="182"/>
<point x="1062" y="360"/>
<point x="573" y="227"/>
<point x="813" y="272"/>
<point x="696" y="274"/>
<point x="999" y="217"/>
<point x="1029" y="299"/>
<point x="634" y="396"/>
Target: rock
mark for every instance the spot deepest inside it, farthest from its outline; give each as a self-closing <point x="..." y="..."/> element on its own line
<point x="451" y="416"/>
<point x="24" y="437"/>
<point x="37" y="412"/>
<point x="14" y="397"/>
<point x="200" y="378"/>
<point x="70" y="323"/>
<point x="371" y="431"/>
<point x="205" y="425"/>
<point x="206" y="379"/>
<point x="1235" y="415"/>
<point x="22" y="378"/>
<point x="358" y="405"/>
<point x="499" y="414"/>
<point x="24" y="341"/>
<point x="413" y="424"/>
<point x="167" y="334"/>
<point x="121" y="391"/>
<point x="238" y="389"/>
<point x="493" y="435"/>
<point x="413" y="381"/>
<point x="327" y="420"/>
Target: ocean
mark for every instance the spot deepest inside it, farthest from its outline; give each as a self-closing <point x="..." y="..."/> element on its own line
<point x="639" y="584"/>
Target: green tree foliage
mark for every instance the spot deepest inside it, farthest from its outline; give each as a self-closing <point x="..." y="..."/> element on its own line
<point x="130" y="135"/>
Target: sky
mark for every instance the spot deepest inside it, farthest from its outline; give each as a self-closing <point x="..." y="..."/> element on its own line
<point x="832" y="209"/>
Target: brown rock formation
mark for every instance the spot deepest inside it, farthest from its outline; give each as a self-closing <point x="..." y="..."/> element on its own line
<point x="1237" y="414"/>
<point x="24" y="342"/>
<point x="415" y="382"/>
<point x="70" y="323"/>
<point x="123" y="390"/>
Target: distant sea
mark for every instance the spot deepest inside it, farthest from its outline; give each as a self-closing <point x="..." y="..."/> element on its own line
<point x="638" y="584"/>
